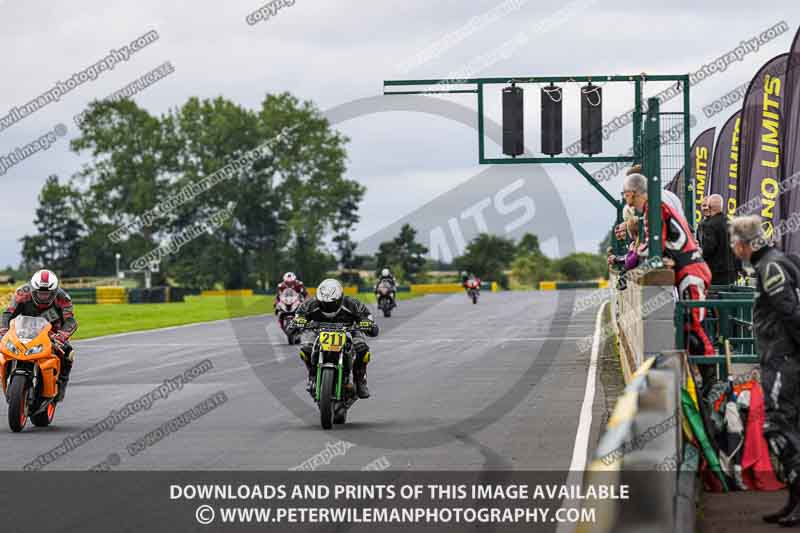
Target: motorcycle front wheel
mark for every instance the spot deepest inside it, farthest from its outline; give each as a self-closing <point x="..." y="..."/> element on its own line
<point x="326" y="398"/>
<point x="17" y="402"/>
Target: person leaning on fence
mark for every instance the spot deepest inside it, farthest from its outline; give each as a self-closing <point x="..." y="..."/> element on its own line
<point x="630" y="260"/>
<point x="681" y="253"/>
<point x="666" y="195"/>
<point x="714" y="240"/>
<point x="776" y="325"/>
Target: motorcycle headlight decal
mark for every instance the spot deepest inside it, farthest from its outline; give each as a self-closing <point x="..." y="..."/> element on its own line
<point x="11" y="347"/>
<point x="35" y="350"/>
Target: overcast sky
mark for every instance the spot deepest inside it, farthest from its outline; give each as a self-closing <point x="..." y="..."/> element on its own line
<point x="334" y="52"/>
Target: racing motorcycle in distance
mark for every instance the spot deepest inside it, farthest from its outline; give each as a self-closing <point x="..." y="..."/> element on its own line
<point x="333" y="353"/>
<point x="288" y="302"/>
<point x="473" y="287"/>
<point x="385" y="299"/>
<point x="29" y="370"/>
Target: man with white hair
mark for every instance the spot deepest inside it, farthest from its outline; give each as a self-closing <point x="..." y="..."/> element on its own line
<point x="776" y="324"/>
<point x="682" y="253"/>
<point x="714" y="238"/>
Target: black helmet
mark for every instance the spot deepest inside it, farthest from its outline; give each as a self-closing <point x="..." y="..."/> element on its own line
<point x="330" y="295"/>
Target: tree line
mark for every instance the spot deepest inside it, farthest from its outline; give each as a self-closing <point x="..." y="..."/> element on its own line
<point x="292" y="208"/>
<point x="284" y="205"/>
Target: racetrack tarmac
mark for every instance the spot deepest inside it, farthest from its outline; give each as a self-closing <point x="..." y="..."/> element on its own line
<point x="497" y="385"/>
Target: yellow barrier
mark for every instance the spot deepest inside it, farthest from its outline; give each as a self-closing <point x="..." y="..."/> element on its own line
<point x="494" y="286"/>
<point x="434" y="288"/>
<point x="547" y="285"/>
<point x="232" y="292"/>
<point x="348" y="291"/>
<point x="602" y="284"/>
<point x="111" y="295"/>
<point x="5" y="295"/>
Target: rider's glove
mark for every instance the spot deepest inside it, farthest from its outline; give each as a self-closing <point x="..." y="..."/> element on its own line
<point x="369" y="327"/>
<point x="60" y="337"/>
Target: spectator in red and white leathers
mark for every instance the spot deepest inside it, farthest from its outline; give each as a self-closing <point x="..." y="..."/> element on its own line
<point x="290" y="281"/>
<point x="681" y="253"/>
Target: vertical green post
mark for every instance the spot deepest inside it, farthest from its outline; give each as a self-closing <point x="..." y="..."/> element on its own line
<point x="481" y="155"/>
<point x="618" y="245"/>
<point x="652" y="170"/>
<point x="637" y="121"/>
<point x="688" y="189"/>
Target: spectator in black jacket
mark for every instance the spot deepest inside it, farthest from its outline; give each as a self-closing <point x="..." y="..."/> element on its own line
<point x="716" y="250"/>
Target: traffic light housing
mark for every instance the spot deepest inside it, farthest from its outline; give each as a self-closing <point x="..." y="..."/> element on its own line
<point x="513" y="123"/>
<point x="551" y="98"/>
<point x="591" y="119"/>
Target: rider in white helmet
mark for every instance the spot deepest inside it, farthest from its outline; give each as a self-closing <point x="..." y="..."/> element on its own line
<point x="386" y="276"/>
<point x="42" y="296"/>
<point x="331" y="305"/>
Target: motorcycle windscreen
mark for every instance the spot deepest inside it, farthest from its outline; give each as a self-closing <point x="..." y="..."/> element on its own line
<point x="288" y="295"/>
<point x="28" y="327"/>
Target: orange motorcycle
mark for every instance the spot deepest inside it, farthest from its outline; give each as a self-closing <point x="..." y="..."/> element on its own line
<point x="29" y="370"/>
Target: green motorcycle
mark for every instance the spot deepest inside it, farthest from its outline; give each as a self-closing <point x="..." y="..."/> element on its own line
<point x="333" y="353"/>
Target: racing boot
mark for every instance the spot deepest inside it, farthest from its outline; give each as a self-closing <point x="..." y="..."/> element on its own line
<point x="792" y="517"/>
<point x="360" y="377"/>
<point x="773" y="518"/>
<point x="312" y="375"/>
<point x="63" y="379"/>
<point x="347" y="386"/>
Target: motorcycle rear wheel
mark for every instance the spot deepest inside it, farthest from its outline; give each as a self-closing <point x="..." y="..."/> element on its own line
<point x="45" y="418"/>
<point x="340" y="415"/>
<point x="326" y="398"/>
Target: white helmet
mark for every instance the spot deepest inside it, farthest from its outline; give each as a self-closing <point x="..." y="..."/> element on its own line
<point x="385" y="273"/>
<point x="289" y="277"/>
<point x="330" y="295"/>
<point x="44" y="285"/>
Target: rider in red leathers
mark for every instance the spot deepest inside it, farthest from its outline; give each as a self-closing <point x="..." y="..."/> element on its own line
<point x="290" y="281"/>
<point x="681" y="252"/>
<point x="43" y="297"/>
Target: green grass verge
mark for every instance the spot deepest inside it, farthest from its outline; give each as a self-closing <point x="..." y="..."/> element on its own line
<point x="107" y="319"/>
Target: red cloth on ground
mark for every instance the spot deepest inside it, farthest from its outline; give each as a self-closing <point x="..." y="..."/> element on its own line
<point x="757" y="470"/>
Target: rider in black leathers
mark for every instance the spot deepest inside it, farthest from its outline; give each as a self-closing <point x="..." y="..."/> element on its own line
<point x="330" y="305"/>
<point x="776" y="324"/>
<point x="388" y="277"/>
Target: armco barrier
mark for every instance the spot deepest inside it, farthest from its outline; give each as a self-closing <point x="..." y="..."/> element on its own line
<point x="436" y="288"/>
<point x="5" y="295"/>
<point x="110" y="295"/>
<point x="155" y="295"/>
<point x="83" y="296"/>
<point x="643" y="431"/>
<point x="562" y="285"/>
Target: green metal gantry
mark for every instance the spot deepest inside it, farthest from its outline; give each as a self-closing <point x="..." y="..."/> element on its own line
<point x="645" y="136"/>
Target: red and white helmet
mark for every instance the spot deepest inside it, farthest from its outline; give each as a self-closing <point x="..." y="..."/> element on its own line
<point x="289" y="278"/>
<point x="44" y="285"/>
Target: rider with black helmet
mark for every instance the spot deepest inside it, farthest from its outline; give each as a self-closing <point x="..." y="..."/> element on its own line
<point x="331" y="305"/>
